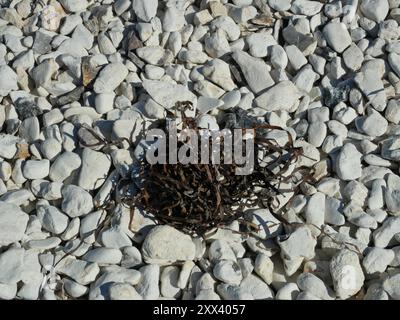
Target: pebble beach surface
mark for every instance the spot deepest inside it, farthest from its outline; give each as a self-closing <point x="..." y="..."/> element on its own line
<point x="326" y="72"/>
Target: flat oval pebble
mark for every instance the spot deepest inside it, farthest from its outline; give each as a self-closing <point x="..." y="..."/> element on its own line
<point x="76" y="201"/>
<point x="164" y="245"/>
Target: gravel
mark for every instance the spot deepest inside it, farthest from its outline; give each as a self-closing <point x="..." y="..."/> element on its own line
<point x="76" y="73"/>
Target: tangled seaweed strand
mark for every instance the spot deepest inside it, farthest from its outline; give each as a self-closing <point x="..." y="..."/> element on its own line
<point x="197" y="198"/>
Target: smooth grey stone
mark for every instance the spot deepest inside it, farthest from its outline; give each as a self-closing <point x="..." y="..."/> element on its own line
<point x="76" y="201"/>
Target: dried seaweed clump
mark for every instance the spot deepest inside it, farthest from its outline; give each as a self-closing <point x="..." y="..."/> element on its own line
<point x="196" y="198"/>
